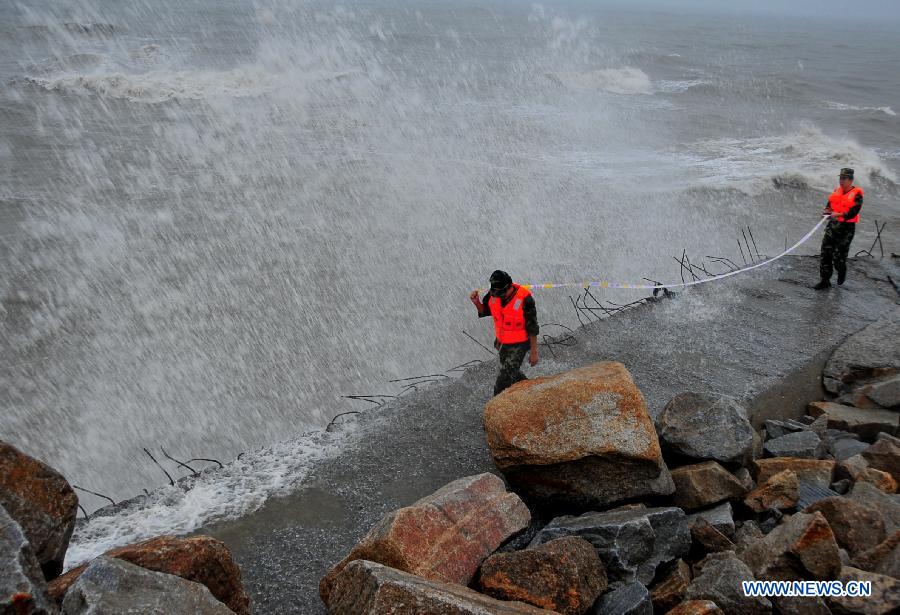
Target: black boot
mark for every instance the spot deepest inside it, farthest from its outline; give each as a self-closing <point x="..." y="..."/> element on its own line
<point x="841" y="277"/>
<point x="822" y="285"/>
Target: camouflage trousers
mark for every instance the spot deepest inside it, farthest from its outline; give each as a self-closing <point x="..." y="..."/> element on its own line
<point x="835" y="247"/>
<point x="511" y="357"/>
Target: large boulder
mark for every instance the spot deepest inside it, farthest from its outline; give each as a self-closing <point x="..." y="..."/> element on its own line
<point x="884" y="599"/>
<point x="867" y="423"/>
<point x="856" y="527"/>
<point x="718" y="578"/>
<point x="707" y="427"/>
<point x="865" y="355"/>
<point x="23" y="590"/>
<point x="369" y="588"/>
<point x="111" y="586"/>
<point x="582" y="438"/>
<point x="444" y="536"/>
<point x="815" y="471"/>
<point x="200" y="559"/>
<point x="564" y="575"/>
<point x="630" y="543"/>
<point x="42" y="502"/>
<point x="703" y="484"/>
<point x="803" y="547"/>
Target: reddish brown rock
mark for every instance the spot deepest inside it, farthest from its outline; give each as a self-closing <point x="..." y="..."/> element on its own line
<point x="444" y="536"/>
<point x="696" y="607"/>
<point x="884" y="455"/>
<point x="855" y="527"/>
<point x="703" y="484"/>
<point x="368" y="588"/>
<point x="709" y="538"/>
<point x="564" y="575"/>
<point x="881" y="480"/>
<point x="803" y="547"/>
<point x="583" y="438"/>
<point x="669" y="592"/>
<point x="780" y="491"/>
<point x="883" y="558"/>
<point x="818" y="472"/>
<point x="42" y="502"/>
<point x="200" y="559"/>
<point x="885" y="597"/>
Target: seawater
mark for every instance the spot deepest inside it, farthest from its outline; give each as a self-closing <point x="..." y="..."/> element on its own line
<point x="218" y="218"/>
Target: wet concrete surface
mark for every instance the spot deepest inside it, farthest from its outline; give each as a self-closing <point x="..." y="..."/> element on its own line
<point x="761" y="337"/>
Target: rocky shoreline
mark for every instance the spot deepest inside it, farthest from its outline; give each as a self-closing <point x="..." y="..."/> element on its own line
<point x="607" y="505"/>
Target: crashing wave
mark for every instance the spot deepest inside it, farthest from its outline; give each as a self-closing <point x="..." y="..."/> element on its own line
<point x="842" y="107"/>
<point x="625" y="80"/>
<point x="161" y="86"/>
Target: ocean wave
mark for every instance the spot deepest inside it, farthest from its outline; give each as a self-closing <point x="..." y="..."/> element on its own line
<point x="626" y="80"/>
<point x="160" y="86"/>
<point x="842" y="107"/>
<point x="806" y="159"/>
<point x="233" y="491"/>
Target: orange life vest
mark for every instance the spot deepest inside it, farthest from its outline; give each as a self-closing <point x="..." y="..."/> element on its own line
<point x="509" y="319"/>
<point x="841" y="203"/>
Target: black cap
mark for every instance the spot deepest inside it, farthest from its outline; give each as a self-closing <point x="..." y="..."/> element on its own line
<point x="500" y="280"/>
<point x="847" y="172"/>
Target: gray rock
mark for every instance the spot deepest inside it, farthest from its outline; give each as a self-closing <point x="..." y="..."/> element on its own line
<point x="720" y="517"/>
<point x="842" y="486"/>
<point x="22" y="585"/>
<point x="719" y="579"/>
<point x="867" y="423"/>
<point x="886" y="504"/>
<point x="865" y="354"/>
<point x="630" y="599"/>
<point x="794" y="605"/>
<point x="368" y="588"/>
<point x="110" y="586"/>
<point x="886" y="393"/>
<point x="707" y="427"/>
<point x="804" y="444"/>
<point x="810" y="493"/>
<point x="630" y="543"/>
<point x="845" y="448"/>
<point x="743" y="475"/>
<point x="776" y="429"/>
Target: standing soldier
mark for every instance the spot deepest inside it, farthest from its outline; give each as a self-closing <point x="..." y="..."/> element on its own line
<point x="515" y="326"/>
<point x="843" y="207"/>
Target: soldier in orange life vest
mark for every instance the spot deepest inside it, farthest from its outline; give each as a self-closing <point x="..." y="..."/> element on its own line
<point x="843" y="207"/>
<point x="515" y="326"/>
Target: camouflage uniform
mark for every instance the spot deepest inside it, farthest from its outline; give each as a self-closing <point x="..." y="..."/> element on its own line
<point x="835" y="247"/>
<point x="511" y="357"/>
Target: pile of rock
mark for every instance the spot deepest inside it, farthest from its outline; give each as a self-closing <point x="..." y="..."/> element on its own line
<point x="161" y="575"/>
<point x="610" y="513"/>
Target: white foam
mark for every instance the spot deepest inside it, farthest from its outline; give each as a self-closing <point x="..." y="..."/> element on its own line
<point x="805" y="158"/>
<point x="843" y="107"/>
<point x="238" y="489"/>
<point x="626" y="80"/>
<point x="158" y="86"/>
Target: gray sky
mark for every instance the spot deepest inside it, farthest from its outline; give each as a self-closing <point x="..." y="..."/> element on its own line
<point x="858" y="10"/>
